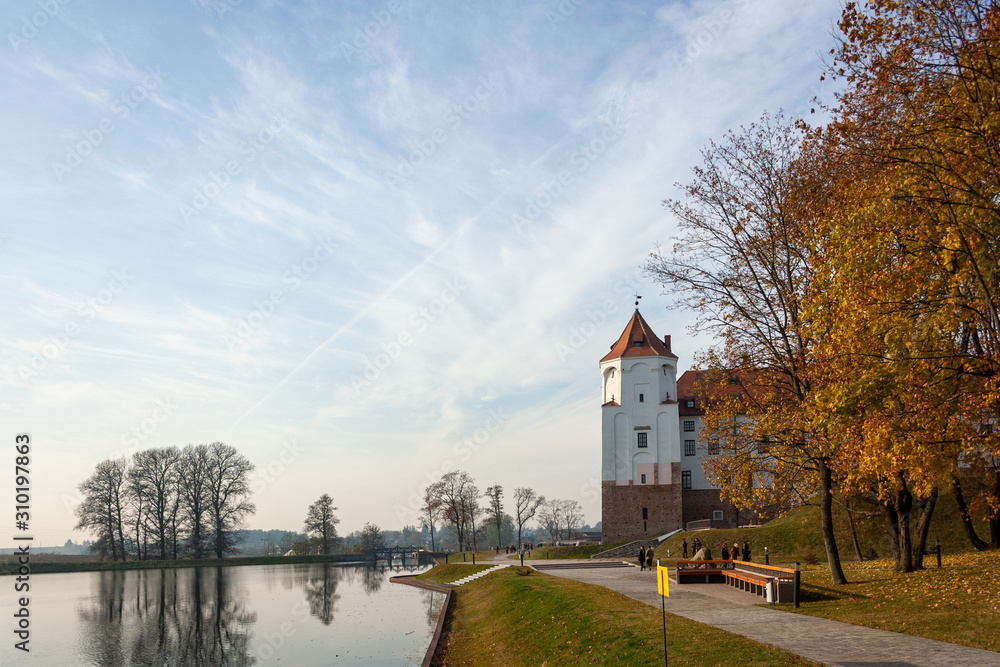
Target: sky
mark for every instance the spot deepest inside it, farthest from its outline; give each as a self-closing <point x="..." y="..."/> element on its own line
<point x="364" y="243"/>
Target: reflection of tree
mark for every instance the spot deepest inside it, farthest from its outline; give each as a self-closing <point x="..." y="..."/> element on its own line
<point x="372" y="578"/>
<point x="321" y="591"/>
<point x="434" y="602"/>
<point x="167" y="617"/>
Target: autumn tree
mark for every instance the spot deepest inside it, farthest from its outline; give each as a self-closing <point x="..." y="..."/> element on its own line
<point x="454" y="492"/>
<point x="321" y="523"/>
<point x="744" y="262"/>
<point x="371" y="538"/>
<point x="919" y="121"/>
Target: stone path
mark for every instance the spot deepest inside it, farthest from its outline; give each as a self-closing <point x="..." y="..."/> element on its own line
<point x="824" y="641"/>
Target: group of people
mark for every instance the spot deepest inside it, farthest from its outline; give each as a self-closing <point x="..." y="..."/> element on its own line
<point x="727" y="553"/>
<point x="527" y="546"/>
<point x="645" y="558"/>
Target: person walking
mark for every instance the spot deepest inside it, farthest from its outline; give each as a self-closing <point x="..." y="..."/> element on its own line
<point x="642" y="559"/>
<point x="736" y="551"/>
<point x="725" y="552"/>
<point x="649" y="558"/>
<point x="684" y="545"/>
<point x="746" y="551"/>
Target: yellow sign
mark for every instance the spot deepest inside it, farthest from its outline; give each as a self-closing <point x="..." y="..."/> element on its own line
<point x="662" y="580"/>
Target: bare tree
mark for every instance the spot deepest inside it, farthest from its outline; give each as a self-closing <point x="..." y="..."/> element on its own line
<point x="572" y="517"/>
<point x="101" y="510"/>
<point x="452" y="492"/>
<point x="371" y="538"/>
<point x="321" y="523"/>
<point x="228" y="477"/>
<point x="194" y="496"/>
<point x="526" y="503"/>
<point x="495" y="496"/>
<point x="154" y="473"/>
<point x="550" y="517"/>
<point x="472" y="511"/>
<point x="430" y="510"/>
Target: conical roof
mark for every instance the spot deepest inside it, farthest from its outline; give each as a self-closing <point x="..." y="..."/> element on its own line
<point x="638" y="340"/>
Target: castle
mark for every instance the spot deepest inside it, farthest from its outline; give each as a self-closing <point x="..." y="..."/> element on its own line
<point x="651" y="480"/>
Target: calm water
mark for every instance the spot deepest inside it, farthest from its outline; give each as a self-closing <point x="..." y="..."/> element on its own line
<point x="291" y="615"/>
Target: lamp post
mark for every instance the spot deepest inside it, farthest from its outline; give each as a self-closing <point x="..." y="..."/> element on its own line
<point x="767" y="557"/>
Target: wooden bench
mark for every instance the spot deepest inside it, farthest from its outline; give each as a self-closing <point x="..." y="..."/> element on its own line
<point x="746" y="576"/>
<point x="703" y="571"/>
<point x="754" y="578"/>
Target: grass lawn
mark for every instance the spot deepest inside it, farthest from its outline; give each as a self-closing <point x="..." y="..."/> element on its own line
<point x="466" y="556"/>
<point x="517" y="616"/>
<point x="445" y="574"/>
<point x="958" y="604"/>
<point x="583" y="551"/>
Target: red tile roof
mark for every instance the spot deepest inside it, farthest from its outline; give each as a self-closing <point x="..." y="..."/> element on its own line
<point x="638" y="331"/>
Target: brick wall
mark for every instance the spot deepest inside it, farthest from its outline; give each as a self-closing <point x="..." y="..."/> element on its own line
<point x="700" y="503"/>
<point x="621" y="510"/>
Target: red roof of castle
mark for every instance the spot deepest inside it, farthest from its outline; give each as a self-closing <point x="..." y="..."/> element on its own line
<point x="638" y="340"/>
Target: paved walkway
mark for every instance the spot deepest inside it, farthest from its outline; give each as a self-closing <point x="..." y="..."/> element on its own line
<point x="824" y="641"/>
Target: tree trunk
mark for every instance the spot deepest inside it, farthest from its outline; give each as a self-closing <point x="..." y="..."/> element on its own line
<point x="922" y="527"/>
<point x="891" y="522"/>
<point x="995" y="512"/>
<point x="903" y="506"/>
<point x="854" y="531"/>
<point x="826" y="521"/>
<point x="963" y="509"/>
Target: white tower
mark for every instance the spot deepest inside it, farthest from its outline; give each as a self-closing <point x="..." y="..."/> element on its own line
<point x="639" y="436"/>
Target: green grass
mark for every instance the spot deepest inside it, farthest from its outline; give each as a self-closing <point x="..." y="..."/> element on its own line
<point x="957" y="604"/>
<point x="466" y="556"/>
<point x="517" y="616"/>
<point x="583" y="551"/>
<point x="9" y="565"/>
<point x="446" y="574"/>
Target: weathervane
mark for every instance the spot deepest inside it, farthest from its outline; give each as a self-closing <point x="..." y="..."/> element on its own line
<point x="637" y="297"/>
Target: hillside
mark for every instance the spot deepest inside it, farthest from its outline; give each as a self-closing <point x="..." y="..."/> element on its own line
<point x="796" y="536"/>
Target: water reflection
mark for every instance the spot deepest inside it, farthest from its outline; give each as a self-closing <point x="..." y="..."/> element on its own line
<point x="186" y="616"/>
<point x="200" y="616"/>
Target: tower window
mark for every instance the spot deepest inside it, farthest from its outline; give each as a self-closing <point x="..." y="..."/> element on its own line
<point x="641" y="439"/>
<point x="637" y="343"/>
<point x="690" y="402"/>
<point x="717" y="515"/>
<point x="689" y="426"/>
<point x="643" y="479"/>
<point x="689" y="448"/>
<point x="685" y="479"/>
<point x="641" y="397"/>
<point x="645" y="513"/>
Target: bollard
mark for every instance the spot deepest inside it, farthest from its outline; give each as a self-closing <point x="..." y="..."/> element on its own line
<point x="795" y="588"/>
<point x="937" y="546"/>
<point x="522" y="559"/>
<point x="767" y="557"/>
<point x="473" y="557"/>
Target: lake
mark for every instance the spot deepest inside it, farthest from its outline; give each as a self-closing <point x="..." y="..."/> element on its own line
<point x="292" y="615"/>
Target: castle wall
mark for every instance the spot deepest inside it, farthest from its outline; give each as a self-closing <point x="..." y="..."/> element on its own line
<point x="622" y="506"/>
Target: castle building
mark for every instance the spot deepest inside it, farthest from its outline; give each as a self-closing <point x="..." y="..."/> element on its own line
<point x="651" y="474"/>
